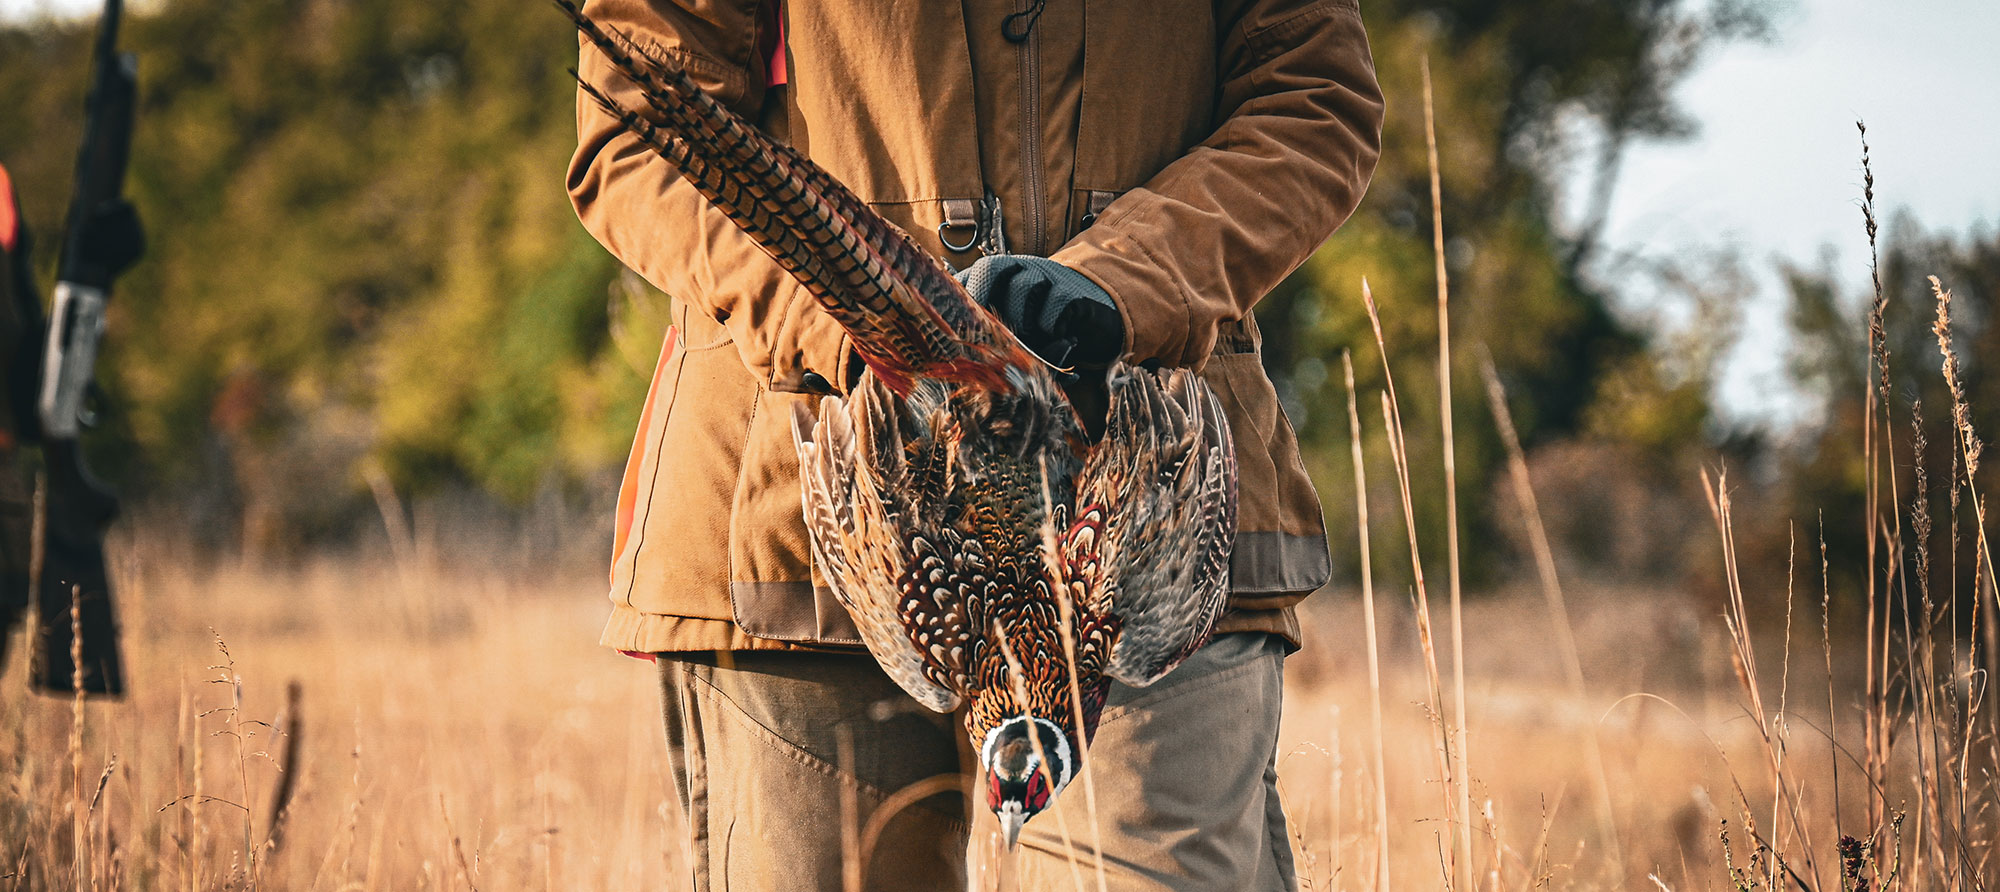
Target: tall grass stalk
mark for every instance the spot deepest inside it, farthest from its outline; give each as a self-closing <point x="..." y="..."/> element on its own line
<point x="1462" y="772"/>
<point x="1380" y="879"/>
<point x="1964" y="866"/>
<point x="1877" y="680"/>
<point x="79" y="817"/>
<point x="1552" y="593"/>
<point x="1768" y="725"/>
<point x="1392" y="418"/>
<point x="1066" y="616"/>
<point x="1016" y="674"/>
<point x="1826" y="650"/>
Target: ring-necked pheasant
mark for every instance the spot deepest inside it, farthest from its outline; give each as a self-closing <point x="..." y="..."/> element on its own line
<point x="992" y="553"/>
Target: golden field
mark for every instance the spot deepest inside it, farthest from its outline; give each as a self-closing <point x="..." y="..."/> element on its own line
<point x="460" y="730"/>
<point x="455" y="726"/>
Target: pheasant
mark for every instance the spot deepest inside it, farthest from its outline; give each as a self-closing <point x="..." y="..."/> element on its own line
<point x="995" y="555"/>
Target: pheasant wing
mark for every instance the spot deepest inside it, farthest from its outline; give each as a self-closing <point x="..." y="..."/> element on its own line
<point x="873" y="547"/>
<point x="1159" y="492"/>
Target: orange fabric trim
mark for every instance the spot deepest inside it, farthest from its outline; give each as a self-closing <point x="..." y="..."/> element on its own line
<point x="10" y="221"/>
<point x="777" y="70"/>
<point x="628" y="487"/>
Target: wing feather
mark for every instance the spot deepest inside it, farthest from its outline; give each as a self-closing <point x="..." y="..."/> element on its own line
<point x="1164" y="481"/>
<point x="848" y="521"/>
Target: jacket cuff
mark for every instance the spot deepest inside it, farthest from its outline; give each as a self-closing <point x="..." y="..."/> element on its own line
<point x="1158" y="314"/>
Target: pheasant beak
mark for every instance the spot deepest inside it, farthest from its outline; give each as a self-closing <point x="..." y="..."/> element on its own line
<point x="1012" y="818"/>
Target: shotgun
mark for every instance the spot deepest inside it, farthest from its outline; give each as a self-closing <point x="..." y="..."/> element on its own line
<point x="76" y="635"/>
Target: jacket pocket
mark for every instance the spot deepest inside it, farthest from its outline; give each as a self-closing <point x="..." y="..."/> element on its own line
<point x="685" y="462"/>
<point x="884" y="97"/>
<point x="1125" y="135"/>
<point x="771" y="587"/>
<point x="1281" y="546"/>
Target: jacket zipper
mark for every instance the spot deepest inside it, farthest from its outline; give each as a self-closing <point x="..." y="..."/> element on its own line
<point x="1031" y="129"/>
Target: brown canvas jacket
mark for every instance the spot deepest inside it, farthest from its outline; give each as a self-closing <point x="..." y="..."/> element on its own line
<point x="1184" y="155"/>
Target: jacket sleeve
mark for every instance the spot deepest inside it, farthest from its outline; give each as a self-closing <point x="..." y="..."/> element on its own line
<point x="1300" y="129"/>
<point x="642" y="210"/>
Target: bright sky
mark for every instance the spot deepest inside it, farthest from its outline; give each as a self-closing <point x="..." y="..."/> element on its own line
<point x="1775" y="170"/>
<point x="18" y="9"/>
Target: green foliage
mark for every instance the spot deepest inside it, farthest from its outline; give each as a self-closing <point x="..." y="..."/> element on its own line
<point x="1517" y="102"/>
<point x="359" y="242"/>
<point x="355" y="211"/>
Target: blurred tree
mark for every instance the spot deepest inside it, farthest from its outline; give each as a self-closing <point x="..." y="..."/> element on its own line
<point x="362" y="256"/>
<point x="360" y="248"/>
<point x="1527" y="94"/>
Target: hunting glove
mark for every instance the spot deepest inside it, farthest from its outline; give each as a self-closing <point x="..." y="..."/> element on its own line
<point x="1056" y="311"/>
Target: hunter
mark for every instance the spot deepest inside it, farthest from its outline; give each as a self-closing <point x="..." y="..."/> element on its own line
<point x="1135" y="176"/>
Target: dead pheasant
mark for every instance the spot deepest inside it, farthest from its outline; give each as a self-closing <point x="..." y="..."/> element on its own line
<point x="993" y="554"/>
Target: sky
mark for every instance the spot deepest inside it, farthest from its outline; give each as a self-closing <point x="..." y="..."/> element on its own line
<point x="1776" y="168"/>
<point x="1775" y="171"/>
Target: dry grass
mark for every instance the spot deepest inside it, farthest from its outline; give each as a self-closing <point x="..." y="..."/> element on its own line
<point x="454" y="731"/>
<point x="1533" y="774"/>
<point x="461" y="730"/>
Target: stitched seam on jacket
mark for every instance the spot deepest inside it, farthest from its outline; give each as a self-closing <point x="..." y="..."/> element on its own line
<point x="815" y="638"/>
<point x="1258" y="39"/>
<point x="1182" y="291"/>
<point x="653" y="484"/>
<point x="742" y="460"/>
<point x="736" y="83"/>
<point x="722" y="338"/>
<point x="788" y="324"/>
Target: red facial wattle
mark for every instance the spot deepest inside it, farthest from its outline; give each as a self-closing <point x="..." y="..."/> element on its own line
<point x="1038" y="793"/>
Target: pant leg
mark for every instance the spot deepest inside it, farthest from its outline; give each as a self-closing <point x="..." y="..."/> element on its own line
<point x="1185" y="773"/>
<point x="764" y="748"/>
<point x="16" y="532"/>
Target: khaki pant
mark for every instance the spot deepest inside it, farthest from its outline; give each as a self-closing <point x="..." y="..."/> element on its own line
<point x="783" y="761"/>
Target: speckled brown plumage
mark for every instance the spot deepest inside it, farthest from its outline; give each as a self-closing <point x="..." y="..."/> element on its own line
<point x="987" y="547"/>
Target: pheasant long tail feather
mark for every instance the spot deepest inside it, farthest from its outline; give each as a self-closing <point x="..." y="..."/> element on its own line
<point x="903" y="310"/>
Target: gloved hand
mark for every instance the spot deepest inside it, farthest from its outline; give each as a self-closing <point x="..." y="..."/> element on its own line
<point x="1058" y="312"/>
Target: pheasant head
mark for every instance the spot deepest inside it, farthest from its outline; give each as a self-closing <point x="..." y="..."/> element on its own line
<point x="1033" y="727"/>
<point x="1027" y="761"/>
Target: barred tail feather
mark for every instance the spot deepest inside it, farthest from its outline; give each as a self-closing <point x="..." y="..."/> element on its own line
<point x="906" y="314"/>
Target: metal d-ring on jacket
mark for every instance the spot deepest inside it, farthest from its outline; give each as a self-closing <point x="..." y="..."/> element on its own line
<point x="1185" y="155"/>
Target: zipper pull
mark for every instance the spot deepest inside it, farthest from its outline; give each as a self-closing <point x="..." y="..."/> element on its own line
<point x="1017" y="26"/>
